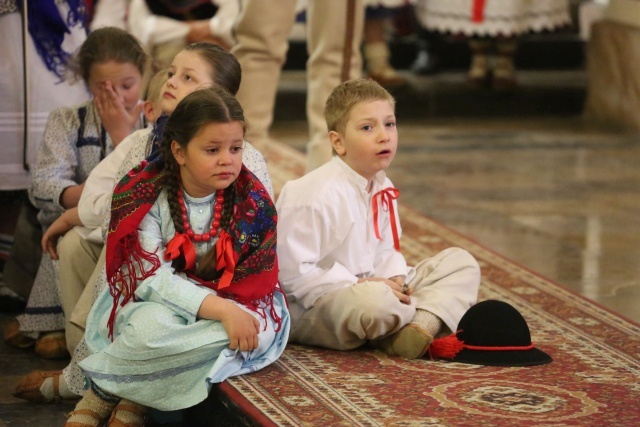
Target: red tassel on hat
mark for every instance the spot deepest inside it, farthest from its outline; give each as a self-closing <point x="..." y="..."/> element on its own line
<point x="446" y="347"/>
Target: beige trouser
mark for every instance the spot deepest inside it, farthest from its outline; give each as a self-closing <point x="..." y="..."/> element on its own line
<point x="445" y="285"/>
<point x="261" y="46"/>
<point x="77" y="271"/>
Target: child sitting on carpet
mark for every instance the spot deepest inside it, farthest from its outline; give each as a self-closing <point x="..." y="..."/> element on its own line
<point x="111" y="63"/>
<point x="81" y="249"/>
<point x="338" y="243"/>
<point x="198" y="66"/>
<point x="193" y="295"/>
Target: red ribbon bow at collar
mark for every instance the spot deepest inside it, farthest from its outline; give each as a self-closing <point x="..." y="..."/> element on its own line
<point x="225" y="258"/>
<point x="385" y="198"/>
<point x="181" y="244"/>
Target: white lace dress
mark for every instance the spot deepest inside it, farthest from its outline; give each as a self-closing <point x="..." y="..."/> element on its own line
<point x="492" y="18"/>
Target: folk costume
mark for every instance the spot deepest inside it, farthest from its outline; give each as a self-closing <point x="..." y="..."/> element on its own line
<point x="333" y="232"/>
<point x="143" y="332"/>
<point x="74" y="142"/>
<point x="492" y="18"/>
<point x="94" y="210"/>
<point x="55" y="30"/>
<point x="493" y="28"/>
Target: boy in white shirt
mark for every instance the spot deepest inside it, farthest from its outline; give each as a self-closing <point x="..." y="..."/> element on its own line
<point x="338" y="243"/>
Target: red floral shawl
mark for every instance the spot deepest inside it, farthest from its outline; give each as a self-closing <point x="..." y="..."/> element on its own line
<point x="250" y="240"/>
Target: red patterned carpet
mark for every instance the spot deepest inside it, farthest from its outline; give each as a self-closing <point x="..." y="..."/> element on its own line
<point x="594" y="379"/>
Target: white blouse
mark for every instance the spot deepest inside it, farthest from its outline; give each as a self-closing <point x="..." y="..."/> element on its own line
<point x="326" y="237"/>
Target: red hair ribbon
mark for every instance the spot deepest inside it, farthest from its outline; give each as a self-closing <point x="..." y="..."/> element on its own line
<point x="385" y="198"/>
<point x="181" y="243"/>
<point x="225" y="258"/>
<point x="477" y="10"/>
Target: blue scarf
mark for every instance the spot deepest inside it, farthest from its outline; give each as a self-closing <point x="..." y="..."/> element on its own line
<point x="47" y="29"/>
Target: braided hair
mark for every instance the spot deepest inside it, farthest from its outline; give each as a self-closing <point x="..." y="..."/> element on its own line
<point x="202" y="107"/>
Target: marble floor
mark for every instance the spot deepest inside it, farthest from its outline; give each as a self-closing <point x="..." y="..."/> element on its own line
<point x="547" y="189"/>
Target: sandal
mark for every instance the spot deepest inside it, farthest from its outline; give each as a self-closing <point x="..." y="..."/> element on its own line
<point x="86" y="412"/>
<point x="128" y="406"/>
<point x="28" y="388"/>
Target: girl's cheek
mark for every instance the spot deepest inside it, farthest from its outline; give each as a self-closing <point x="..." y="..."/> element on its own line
<point x="95" y="91"/>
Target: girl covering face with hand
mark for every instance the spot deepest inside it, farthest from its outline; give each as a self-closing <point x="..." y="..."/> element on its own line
<point x="193" y="295"/>
<point x="75" y="140"/>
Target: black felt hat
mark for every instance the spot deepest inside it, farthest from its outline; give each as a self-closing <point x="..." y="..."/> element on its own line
<point x="490" y="333"/>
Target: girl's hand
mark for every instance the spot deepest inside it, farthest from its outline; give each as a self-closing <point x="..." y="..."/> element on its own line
<point x="242" y="329"/>
<point x="58" y="229"/>
<point x="396" y="284"/>
<point x="117" y="121"/>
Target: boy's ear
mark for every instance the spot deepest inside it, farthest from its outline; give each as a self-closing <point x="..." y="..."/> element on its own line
<point x="337" y="142"/>
<point x="178" y="153"/>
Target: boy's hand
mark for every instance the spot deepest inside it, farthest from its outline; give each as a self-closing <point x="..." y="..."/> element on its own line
<point x="395" y="285"/>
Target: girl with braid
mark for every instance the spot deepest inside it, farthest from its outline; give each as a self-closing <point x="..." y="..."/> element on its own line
<point x="198" y="66"/>
<point x="193" y="295"/>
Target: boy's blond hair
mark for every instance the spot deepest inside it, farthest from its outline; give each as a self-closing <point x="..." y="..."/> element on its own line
<point x="346" y="95"/>
<point x="155" y="85"/>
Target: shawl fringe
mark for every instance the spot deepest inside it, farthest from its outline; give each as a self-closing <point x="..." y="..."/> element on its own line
<point x="122" y="281"/>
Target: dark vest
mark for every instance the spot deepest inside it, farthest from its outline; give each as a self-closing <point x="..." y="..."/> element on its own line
<point x="183" y="10"/>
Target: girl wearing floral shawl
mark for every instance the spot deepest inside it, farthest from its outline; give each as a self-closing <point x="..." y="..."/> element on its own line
<point x="193" y="296"/>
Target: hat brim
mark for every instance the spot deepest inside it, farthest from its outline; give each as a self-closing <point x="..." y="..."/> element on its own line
<point x="503" y="358"/>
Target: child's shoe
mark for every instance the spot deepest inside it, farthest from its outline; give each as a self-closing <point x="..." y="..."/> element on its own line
<point x="128" y="414"/>
<point x="83" y="418"/>
<point x="28" y="388"/>
<point x="43" y="387"/>
<point x="504" y="73"/>
<point x="410" y="342"/>
<point x="15" y="338"/>
<point x="52" y="345"/>
<point x="479" y="73"/>
<point x="93" y="410"/>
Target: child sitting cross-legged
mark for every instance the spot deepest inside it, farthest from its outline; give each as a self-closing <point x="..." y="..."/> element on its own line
<point x="193" y="295"/>
<point x="341" y="268"/>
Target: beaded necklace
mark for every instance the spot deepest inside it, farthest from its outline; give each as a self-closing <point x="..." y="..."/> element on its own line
<point x="215" y="220"/>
